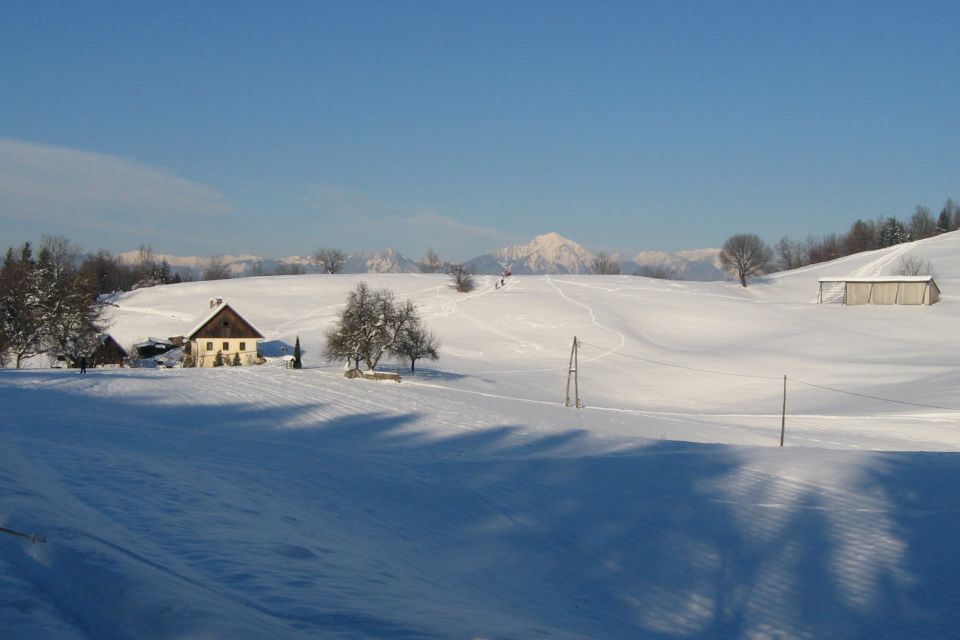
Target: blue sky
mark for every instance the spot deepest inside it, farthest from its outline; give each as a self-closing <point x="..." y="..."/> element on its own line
<point x="274" y="128"/>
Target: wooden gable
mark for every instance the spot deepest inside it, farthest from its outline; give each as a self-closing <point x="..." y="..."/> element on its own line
<point x="109" y="351"/>
<point x="225" y="322"/>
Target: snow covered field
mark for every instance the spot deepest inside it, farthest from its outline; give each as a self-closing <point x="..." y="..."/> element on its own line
<point x="468" y="502"/>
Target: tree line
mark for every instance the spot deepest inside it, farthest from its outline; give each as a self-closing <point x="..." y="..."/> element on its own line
<point x="866" y="235"/>
<point x="747" y="255"/>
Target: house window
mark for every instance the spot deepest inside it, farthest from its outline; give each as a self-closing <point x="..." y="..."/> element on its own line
<point x="226" y="346"/>
<point x="243" y="346"/>
<point x="226" y="323"/>
<point x="209" y="346"/>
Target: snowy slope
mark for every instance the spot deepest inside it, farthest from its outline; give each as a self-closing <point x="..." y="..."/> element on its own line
<point x="467" y="502"/>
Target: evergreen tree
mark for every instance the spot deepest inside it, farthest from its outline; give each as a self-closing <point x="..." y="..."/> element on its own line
<point x="949" y="219"/>
<point x="236" y="360"/>
<point x="944" y="222"/>
<point x="20" y="311"/>
<point x="218" y="359"/>
<point x="297" y="362"/>
<point x="892" y="232"/>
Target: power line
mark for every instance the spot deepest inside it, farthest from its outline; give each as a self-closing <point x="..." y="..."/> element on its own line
<point x="756" y="377"/>
<point x="677" y="366"/>
<point x="864" y="395"/>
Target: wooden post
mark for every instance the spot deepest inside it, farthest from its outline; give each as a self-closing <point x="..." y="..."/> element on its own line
<point x="783" y="416"/>
<point x="572" y="371"/>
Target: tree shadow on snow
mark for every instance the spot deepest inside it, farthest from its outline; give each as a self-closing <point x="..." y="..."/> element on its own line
<point x="494" y="532"/>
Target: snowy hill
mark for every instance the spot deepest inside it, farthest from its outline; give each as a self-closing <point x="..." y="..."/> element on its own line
<point x="468" y="502"/>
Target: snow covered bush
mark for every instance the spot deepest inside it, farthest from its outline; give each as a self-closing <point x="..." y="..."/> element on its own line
<point x="461" y="279"/>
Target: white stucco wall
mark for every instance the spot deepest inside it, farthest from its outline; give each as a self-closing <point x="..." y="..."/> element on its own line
<point x="205" y="350"/>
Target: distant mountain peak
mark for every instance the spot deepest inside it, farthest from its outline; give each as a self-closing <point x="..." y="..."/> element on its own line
<point x="546" y="253"/>
<point x="383" y="261"/>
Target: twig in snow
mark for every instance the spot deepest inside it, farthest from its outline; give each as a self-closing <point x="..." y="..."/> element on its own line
<point x="34" y="538"/>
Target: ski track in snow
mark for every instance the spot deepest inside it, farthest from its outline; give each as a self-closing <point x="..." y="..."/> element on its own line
<point x="876" y="267"/>
<point x="593" y="319"/>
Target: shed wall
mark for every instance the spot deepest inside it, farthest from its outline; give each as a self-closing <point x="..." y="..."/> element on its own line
<point x="913" y="292"/>
<point x="884" y="292"/>
<point x="858" y="292"/>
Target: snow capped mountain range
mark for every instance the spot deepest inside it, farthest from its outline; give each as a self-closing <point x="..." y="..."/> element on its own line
<point x="549" y="253"/>
<point x="387" y="261"/>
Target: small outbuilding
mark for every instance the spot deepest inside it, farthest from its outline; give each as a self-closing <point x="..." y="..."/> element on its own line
<point x="879" y="290"/>
<point x="109" y="352"/>
<point x="223" y="331"/>
<point x="152" y="347"/>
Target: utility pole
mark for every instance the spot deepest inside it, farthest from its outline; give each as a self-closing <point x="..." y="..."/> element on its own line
<point x="572" y="372"/>
<point x="783" y="416"/>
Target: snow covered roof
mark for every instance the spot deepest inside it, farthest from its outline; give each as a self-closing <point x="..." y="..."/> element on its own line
<point x="879" y="279"/>
<point x="154" y="341"/>
<point x="214" y="312"/>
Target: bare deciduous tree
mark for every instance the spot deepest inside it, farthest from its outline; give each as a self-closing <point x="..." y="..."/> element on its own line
<point x="604" y="265"/>
<point x="922" y="225"/>
<point x="47" y="305"/>
<point x="289" y="269"/>
<point x="330" y="260"/>
<point x="216" y="269"/>
<point x="863" y="236"/>
<point x="461" y="278"/>
<point x="746" y="255"/>
<point x="371" y="325"/>
<point x="790" y="254"/>
<point x="660" y="271"/>
<point x="911" y="266"/>
<point x="431" y="262"/>
<point x="417" y="343"/>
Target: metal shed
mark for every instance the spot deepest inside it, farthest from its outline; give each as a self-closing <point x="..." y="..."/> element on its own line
<point x="879" y="290"/>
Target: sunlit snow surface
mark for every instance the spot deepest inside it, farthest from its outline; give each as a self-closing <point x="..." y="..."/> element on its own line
<point x="468" y="502"/>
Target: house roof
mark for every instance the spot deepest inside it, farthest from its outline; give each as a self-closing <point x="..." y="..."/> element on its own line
<point x="879" y="279"/>
<point x="105" y="339"/>
<point x="154" y="341"/>
<point x="214" y="312"/>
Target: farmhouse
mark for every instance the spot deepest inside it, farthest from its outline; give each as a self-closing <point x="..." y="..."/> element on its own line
<point x="879" y="290"/>
<point x="225" y="331"/>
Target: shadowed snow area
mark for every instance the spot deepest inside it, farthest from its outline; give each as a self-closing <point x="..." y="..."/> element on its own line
<point x="468" y="502"/>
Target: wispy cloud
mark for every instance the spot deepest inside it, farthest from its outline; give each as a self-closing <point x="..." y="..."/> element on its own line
<point x="431" y="222"/>
<point x="58" y="185"/>
<point x="356" y="213"/>
<point x="342" y="203"/>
